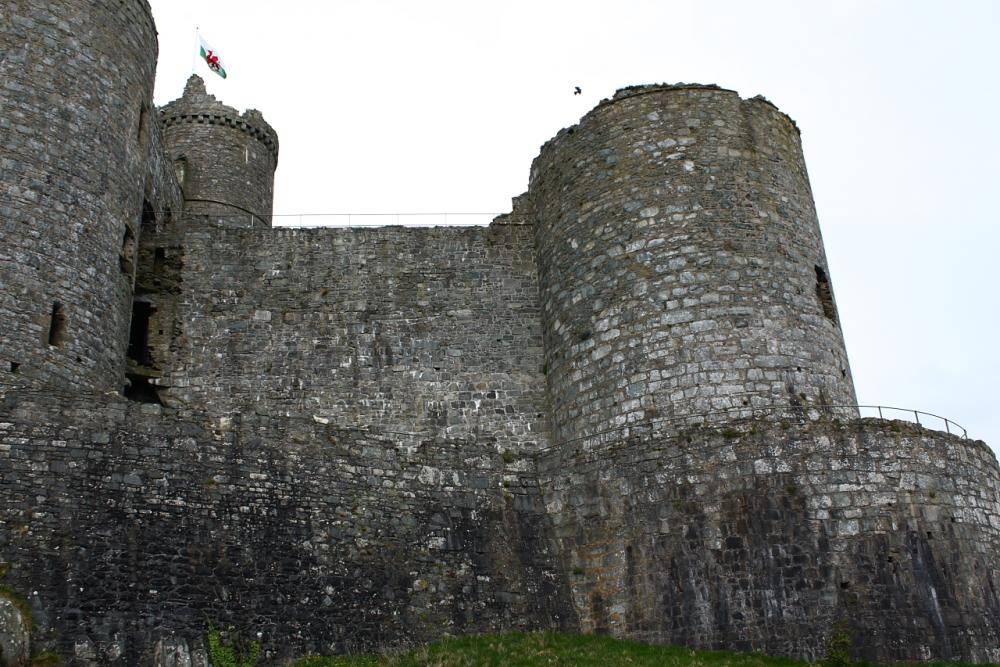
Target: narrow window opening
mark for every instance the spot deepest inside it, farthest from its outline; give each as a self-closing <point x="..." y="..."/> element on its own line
<point x="159" y="257"/>
<point x="140" y="390"/>
<point x="181" y="172"/>
<point x="57" y="325"/>
<point x="825" y="295"/>
<point x="138" y="337"/>
<point x="14" y="366"/>
<point x="599" y="612"/>
<point x="143" y="126"/>
<point x="126" y="258"/>
<point x="844" y="585"/>
<point x="148" y="214"/>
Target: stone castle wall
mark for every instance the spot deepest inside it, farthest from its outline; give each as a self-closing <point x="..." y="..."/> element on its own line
<point x="352" y="439"/>
<point x="406" y="331"/>
<point x="778" y="535"/>
<point x="74" y="96"/>
<point x="128" y="525"/>
<point x="680" y="263"/>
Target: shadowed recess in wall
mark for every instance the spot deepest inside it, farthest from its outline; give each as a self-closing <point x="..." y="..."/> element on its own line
<point x="343" y="440"/>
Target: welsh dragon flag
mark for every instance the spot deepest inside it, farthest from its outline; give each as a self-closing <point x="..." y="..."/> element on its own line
<point x="211" y="57"/>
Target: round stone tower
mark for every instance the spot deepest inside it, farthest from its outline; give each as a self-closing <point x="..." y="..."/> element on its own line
<point x="224" y="160"/>
<point x="681" y="266"/>
<point x="74" y="142"/>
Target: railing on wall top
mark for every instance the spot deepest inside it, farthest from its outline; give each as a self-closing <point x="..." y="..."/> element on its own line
<point x="949" y="425"/>
<point x="306" y="220"/>
<point x="357" y="219"/>
<point x="811" y="412"/>
<point x="383" y="219"/>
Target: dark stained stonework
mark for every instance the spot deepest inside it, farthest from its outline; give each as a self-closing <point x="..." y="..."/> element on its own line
<point x="769" y="534"/>
<point x="321" y="538"/>
<point x="79" y="154"/>
<point x="602" y="413"/>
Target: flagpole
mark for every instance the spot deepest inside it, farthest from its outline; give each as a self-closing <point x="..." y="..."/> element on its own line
<point x="197" y="43"/>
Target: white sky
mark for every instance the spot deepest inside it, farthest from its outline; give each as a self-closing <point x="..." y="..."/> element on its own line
<point x="411" y="106"/>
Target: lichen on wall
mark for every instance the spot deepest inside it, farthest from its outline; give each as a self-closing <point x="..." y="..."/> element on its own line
<point x="771" y="534"/>
<point x="624" y="407"/>
<point x="320" y="538"/>
<point x="406" y="331"/>
<point x="81" y="162"/>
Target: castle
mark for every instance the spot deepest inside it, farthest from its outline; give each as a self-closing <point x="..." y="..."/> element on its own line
<point x="624" y="407"/>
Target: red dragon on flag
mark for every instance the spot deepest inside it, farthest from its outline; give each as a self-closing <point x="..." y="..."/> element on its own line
<point x="211" y="57"/>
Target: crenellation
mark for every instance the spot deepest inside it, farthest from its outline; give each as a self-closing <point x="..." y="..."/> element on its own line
<point x="624" y="407"/>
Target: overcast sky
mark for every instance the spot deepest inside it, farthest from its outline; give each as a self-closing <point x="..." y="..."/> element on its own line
<point x="405" y="106"/>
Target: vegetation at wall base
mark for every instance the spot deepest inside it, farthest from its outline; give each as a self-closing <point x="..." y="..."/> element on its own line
<point x="563" y="650"/>
<point x="46" y="659"/>
<point x="549" y="649"/>
<point x="231" y="652"/>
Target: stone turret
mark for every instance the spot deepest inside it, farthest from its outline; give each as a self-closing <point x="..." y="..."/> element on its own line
<point x="342" y="438"/>
<point x="224" y="160"/>
<point x="681" y="266"/>
<point x="76" y="143"/>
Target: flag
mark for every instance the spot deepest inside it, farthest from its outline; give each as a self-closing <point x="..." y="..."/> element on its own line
<point x="211" y="57"/>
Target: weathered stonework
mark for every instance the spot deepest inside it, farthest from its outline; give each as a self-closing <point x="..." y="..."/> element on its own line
<point x="409" y="331"/>
<point x="224" y="160"/>
<point x="624" y="407"/>
<point x="678" y="255"/>
<point x="15" y="634"/>
<point x="769" y="534"/>
<point x="319" y="537"/>
<point x="74" y="97"/>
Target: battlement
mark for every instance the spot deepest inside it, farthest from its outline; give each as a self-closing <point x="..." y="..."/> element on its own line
<point x="197" y="106"/>
<point x="666" y="88"/>
<point x="224" y="160"/>
<point x="625" y="407"/>
<point x="632" y="91"/>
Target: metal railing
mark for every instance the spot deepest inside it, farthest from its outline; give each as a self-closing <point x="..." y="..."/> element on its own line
<point x="247" y="219"/>
<point x="791" y="412"/>
<point x="906" y="412"/>
<point x="383" y="219"/>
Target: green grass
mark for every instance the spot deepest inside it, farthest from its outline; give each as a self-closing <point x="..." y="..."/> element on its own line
<point x="560" y="650"/>
<point x="550" y="650"/>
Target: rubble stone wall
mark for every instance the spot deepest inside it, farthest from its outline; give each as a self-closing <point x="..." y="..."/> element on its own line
<point x="405" y="330"/>
<point x="130" y="524"/>
<point x="352" y="439"/>
<point x="680" y="262"/>
<point x="77" y="92"/>
<point x="780" y="536"/>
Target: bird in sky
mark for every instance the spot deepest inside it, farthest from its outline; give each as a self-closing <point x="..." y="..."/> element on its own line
<point x="577" y="91"/>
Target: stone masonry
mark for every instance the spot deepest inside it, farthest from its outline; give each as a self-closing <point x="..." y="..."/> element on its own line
<point x="680" y="262"/>
<point x="625" y="407"/>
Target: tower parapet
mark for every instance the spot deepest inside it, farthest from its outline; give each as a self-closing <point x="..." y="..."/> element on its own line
<point x="224" y="160"/>
<point x="681" y="265"/>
